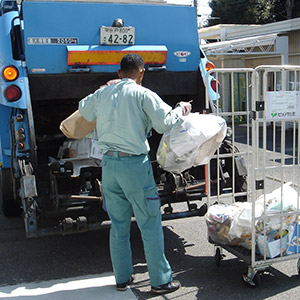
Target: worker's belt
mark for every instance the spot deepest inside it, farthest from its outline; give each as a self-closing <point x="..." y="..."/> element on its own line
<point x="118" y="154"/>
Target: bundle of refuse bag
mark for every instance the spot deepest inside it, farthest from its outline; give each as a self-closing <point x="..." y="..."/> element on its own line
<point x="275" y="231"/>
<point x="192" y="143"/>
<point x="230" y="224"/>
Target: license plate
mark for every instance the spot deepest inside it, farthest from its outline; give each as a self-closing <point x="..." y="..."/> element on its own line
<point x="117" y="35"/>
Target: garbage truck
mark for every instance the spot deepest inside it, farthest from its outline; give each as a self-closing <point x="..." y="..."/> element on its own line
<point x="53" y="54"/>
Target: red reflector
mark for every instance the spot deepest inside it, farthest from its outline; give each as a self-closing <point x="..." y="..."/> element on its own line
<point x="20" y="146"/>
<point x="12" y="93"/>
<point x="215" y="85"/>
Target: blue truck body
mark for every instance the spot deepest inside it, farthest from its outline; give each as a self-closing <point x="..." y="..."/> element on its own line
<point x="52" y="54"/>
<point x="152" y="28"/>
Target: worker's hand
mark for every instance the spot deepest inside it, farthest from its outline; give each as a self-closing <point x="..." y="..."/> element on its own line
<point x="110" y="82"/>
<point x="113" y="81"/>
<point x="186" y="107"/>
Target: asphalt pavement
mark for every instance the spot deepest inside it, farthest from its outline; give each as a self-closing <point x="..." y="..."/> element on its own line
<point x="78" y="267"/>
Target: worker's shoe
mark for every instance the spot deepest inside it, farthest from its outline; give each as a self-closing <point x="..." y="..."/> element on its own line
<point x="121" y="287"/>
<point x="166" y="288"/>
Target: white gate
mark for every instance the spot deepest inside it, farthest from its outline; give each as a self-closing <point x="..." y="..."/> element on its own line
<point x="234" y="103"/>
<point x="262" y="107"/>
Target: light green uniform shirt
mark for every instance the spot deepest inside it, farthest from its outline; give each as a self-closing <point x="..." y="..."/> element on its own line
<point x="125" y="114"/>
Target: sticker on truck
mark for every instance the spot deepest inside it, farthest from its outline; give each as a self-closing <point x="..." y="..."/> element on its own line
<point x="52" y="40"/>
<point x="182" y="53"/>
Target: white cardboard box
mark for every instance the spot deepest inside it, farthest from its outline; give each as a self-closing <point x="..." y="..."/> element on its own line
<point x="84" y="148"/>
<point x="271" y="245"/>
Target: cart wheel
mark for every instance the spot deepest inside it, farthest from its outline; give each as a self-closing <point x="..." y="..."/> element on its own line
<point x="251" y="283"/>
<point x="218" y="257"/>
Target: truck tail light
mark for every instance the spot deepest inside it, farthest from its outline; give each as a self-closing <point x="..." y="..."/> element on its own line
<point x="215" y="85"/>
<point x="209" y="66"/>
<point x="10" y="73"/>
<point x="12" y="93"/>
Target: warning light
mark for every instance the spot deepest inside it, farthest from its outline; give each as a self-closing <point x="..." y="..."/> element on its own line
<point x="10" y="73"/>
<point x="209" y="66"/>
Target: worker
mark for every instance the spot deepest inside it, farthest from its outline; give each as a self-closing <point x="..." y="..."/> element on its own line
<point x="125" y="113"/>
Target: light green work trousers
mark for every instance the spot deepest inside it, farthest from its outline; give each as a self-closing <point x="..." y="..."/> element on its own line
<point x="129" y="189"/>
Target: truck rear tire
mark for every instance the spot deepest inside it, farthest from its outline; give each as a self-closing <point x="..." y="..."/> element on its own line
<point x="10" y="206"/>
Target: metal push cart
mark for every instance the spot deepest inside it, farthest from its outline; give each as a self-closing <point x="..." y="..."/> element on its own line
<point x="262" y="107"/>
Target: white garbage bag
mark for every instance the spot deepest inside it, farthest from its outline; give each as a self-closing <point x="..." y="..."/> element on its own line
<point x="232" y="224"/>
<point x="229" y="224"/>
<point x="285" y="198"/>
<point x="192" y="143"/>
<point x="282" y="200"/>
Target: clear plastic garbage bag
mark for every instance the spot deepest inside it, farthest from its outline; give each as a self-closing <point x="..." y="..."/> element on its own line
<point x="192" y="143"/>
